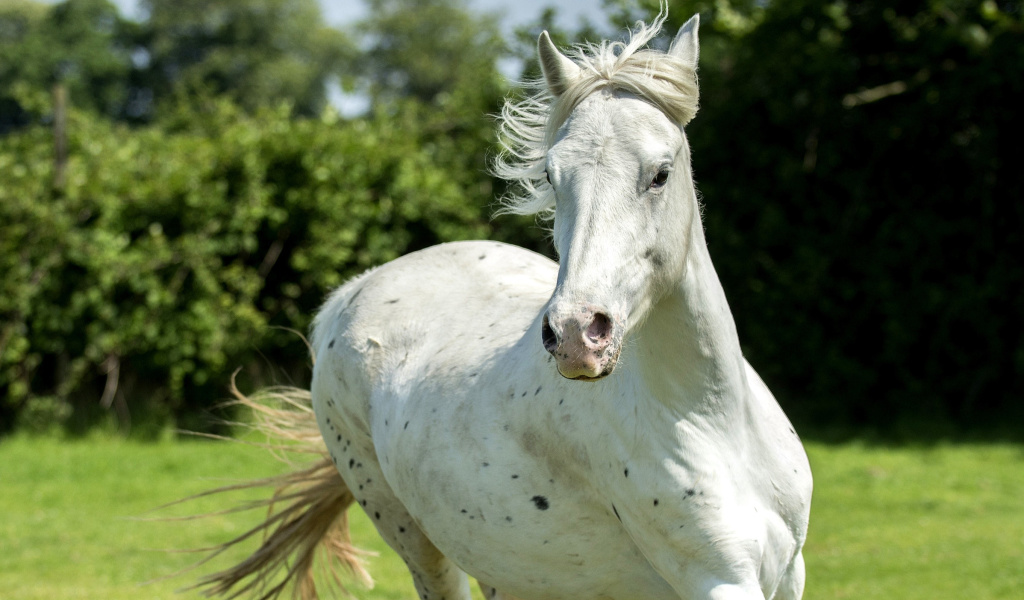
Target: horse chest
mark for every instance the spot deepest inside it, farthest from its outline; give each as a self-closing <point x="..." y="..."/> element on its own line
<point x="529" y="490"/>
<point x="507" y="499"/>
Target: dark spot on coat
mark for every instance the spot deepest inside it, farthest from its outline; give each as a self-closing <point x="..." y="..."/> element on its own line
<point x="351" y="462"/>
<point x="538" y="390"/>
<point x="515" y="477"/>
<point x="690" y="493"/>
<point x="401" y="530"/>
<point x="524" y="395"/>
<point x="655" y="257"/>
<point x="354" y="296"/>
<point x="472" y="374"/>
<point x="376" y="515"/>
<point x="406" y="426"/>
<point x="331" y="345"/>
<point x="482" y="256"/>
<point x="339" y="437"/>
<point x="509" y="519"/>
<point x="540" y="502"/>
<point x="487" y="464"/>
<point x="616" y="511"/>
<point x="395" y="301"/>
<point x="625" y="472"/>
<point x="655" y="501"/>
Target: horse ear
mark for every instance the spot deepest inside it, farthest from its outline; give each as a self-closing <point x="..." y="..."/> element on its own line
<point x="686" y="46"/>
<point x="558" y="70"/>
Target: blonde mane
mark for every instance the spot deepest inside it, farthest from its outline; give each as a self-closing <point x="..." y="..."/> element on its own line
<point x="527" y="127"/>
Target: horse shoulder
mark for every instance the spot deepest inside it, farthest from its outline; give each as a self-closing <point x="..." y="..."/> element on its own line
<point x="778" y="464"/>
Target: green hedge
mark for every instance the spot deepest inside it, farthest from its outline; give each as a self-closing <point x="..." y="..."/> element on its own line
<point x="172" y="250"/>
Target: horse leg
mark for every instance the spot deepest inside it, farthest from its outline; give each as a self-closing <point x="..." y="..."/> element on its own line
<point x="792" y="585"/>
<point x="492" y="593"/>
<point x="435" y="577"/>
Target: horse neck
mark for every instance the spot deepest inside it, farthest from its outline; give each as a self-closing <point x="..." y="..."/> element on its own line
<point x="692" y="361"/>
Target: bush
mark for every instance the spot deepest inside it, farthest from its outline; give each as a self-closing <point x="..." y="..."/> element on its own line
<point x="171" y="251"/>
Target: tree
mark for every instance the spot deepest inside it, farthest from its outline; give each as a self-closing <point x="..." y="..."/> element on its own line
<point x="861" y="206"/>
<point x="433" y="65"/>
<point x="425" y="49"/>
<point x="161" y="265"/>
<point x="77" y="43"/>
<point x="257" y="52"/>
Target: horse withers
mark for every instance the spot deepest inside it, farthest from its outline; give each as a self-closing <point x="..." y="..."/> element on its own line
<point x="589" y="429"/>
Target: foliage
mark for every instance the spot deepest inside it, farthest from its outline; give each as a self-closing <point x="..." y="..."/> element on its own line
<point x="259" y="53"/>
<point x="160" y="264"/>
<point x="433" y="64"/>
<point x="861" y="205"/>
<point x="175" y="250"/>
<point x="855" y="159"/>
<point x="77" y="43"/>
<point x="425" y="48"/>
<point x="256" y="52"/>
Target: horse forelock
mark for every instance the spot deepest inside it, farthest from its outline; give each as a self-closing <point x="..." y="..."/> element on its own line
<point x="528" y="127"/>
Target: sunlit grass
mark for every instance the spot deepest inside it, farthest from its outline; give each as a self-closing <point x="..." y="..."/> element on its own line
<point x="937" y="522"/>
<point x="924" y="522"/>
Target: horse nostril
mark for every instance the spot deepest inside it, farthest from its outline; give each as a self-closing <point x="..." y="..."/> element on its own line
<point x="547" y="335"/>
<point x="599" y="328"/>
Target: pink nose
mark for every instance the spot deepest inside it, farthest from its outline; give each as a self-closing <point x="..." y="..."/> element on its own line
<point x="582" y="344"/>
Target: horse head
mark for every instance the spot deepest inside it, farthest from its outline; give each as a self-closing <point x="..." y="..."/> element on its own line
<point x="616" y="170"/>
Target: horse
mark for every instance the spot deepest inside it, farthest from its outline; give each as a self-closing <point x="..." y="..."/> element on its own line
<point x="585" y="429"/>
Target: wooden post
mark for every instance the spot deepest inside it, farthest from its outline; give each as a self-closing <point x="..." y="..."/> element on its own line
<point x="60" y="136"/>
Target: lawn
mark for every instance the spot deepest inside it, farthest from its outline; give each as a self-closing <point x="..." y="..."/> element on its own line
<point x="934" y="522"/>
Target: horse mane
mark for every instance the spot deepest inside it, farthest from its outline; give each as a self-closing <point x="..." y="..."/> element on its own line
<point x="527" y="127"/>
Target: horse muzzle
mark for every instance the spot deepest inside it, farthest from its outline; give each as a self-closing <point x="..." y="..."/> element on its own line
<point x="585" y="342"/>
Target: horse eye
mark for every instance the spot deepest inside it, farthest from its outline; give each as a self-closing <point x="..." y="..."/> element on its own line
<point x="660" y="179"/>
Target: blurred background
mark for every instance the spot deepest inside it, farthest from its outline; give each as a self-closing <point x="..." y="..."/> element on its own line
<point x="183" y="181"/>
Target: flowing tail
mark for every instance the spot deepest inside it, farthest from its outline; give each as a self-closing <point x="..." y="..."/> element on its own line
<point x="306" y="514"/>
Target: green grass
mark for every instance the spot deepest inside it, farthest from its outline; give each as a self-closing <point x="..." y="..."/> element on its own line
<point x="909" y="523"/>
<point x="935" y="522"/>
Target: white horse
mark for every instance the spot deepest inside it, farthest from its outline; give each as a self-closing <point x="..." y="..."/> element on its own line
<point x="582" y="430"/>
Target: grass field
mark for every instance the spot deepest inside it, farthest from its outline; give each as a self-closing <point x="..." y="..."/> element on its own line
<point x="906" y="523"/>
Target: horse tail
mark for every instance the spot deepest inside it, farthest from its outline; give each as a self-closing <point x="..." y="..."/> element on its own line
<point x="306" y="527"/>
